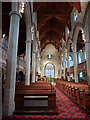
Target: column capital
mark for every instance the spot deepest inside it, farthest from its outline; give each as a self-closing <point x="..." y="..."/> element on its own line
<point x="28" y="41"/>
<point x="16" y="13"/>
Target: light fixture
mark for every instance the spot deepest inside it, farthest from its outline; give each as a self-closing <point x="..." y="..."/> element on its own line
<point x="80" y="50"/>
<point x="65" y="50"/>
<point x="83" y="36"/>
<point x="68" y="31"/>
<point x="3" y="35"/>
<point x="32" y="29"/>
<point x="32" y="36"/>
<point x="62" y="55"/>
<point x="36" y="48"/>
<point x="21" y="8"/>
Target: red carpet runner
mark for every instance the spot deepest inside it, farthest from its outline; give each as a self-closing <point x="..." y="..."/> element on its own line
<point x="67" y="110"/>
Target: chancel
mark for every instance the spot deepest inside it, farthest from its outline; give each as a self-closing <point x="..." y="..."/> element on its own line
<point x="45" y="60"/>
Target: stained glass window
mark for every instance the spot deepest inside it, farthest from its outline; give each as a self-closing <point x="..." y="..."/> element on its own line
<point x="81" y="74"/>
<point x="49" y="70"/>
<point x="79" y="58"/>
<point x="71" y="61"/>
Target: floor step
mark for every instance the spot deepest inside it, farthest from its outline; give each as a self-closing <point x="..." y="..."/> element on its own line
<point x="36" y="111"/>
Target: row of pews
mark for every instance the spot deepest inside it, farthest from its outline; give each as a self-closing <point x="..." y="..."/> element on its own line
<point x="38" y="89"/>
<point x="78" y="92"/>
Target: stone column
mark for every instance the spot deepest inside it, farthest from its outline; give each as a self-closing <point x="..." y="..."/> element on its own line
<point x="39" y="64"/>
<point x="37" y="60"/>
<point x="28" y="62"/>
<point x="38" y="54"/>
<point x="75" y="67"/>
<point x="9" y="94"/>
<point x="68" y="67"/>
<point x="87" y="47"/>
<point x="34" y="67"/>
<point x="34" y="60"/>
<point x="28" y="44"/>
<point x="1" y="64"/>
<point x="60" y="70"/>
<point x="63" y="65"/>
<point x="64" y="69"/>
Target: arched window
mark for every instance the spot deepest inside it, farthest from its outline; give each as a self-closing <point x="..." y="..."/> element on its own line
<point x="79" y="58"/>
<point x="49" y="70"/>
<point x="81" y="74"/>
<point x="85" y="55"/>
<point x="68" y="31"/>
<point x="75" y="15"/>
<point x="70" y="60"/>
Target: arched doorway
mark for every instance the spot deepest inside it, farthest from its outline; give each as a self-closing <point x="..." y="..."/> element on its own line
<point x="49" y="71"/>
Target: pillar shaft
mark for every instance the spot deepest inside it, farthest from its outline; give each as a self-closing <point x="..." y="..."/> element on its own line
<point x="28" y="62"/>
<point x="64" y="69"/>
<point x="60" y="70"/>
<point x="28" y="43"/>
<point x="87" y="46"/>
<point x="68" y="67"/>
<point x="34" y="67"/>
<point x="9" y="94"/>
<point x="75" y="67"/>
<point x="63" y="65"/>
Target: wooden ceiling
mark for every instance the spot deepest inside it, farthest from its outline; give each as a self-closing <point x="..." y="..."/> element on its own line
<point x="52" y="18"/>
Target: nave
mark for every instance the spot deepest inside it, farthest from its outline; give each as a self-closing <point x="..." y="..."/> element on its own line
<point x="67" y="110"/>
<point x="48" y="41"/>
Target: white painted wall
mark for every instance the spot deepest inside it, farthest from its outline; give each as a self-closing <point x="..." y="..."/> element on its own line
<point x="50" y="49"/>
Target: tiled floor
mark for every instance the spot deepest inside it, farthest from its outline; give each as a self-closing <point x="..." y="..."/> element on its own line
<point x="67" y="110"/>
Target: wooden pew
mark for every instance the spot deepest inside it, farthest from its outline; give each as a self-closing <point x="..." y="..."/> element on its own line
<point x="78" y="92"/>
<point x="86" y="101"/>
<point x="35" y="89"/>
<point x="36" y="85"/>
<point x="42" y="82"/>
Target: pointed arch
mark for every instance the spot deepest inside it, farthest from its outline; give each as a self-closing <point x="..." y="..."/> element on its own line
<point x="49" y="70"/>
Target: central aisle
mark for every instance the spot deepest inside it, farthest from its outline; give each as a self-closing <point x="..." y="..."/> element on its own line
<point x="66" y="109"/>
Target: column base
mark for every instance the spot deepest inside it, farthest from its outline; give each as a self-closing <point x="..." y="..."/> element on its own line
<point x="27" y="80"/>
<point x="8" y="109"/>
<point x="33" y="81"/>
<point x="69" y="79"/>
<point x="76" y="81"/>
<point x="36" y="78"/>
<point x="0" y="102"/>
